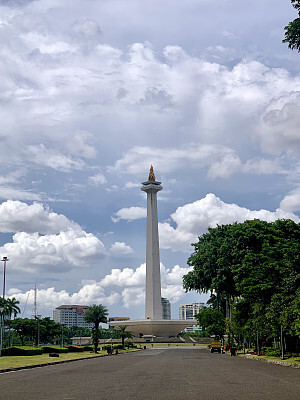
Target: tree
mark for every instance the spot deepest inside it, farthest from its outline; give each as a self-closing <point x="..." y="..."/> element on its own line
<point x="255" y="266"/>
<point x="212" y="321"/>
<point x="24" y="327"/>
<point x="12" y="307"/>
<point x="124" y="334"/>
<point x="292" y="30"/>
<point x="49" y="330"/>
<point x="95" y="315"/>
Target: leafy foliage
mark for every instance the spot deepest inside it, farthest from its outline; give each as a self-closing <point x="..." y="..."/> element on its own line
<point x="254" y="269"/>
<point x="123" y="333"/>
<point x="212" y="321"/>
<point x="95" y="315"/>
<point x="292" y="30"/>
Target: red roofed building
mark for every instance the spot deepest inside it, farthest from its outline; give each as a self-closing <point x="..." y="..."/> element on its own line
<point x="71" y="315"/>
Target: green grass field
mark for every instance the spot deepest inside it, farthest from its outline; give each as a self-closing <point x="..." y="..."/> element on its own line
<point x="23" y="361"/>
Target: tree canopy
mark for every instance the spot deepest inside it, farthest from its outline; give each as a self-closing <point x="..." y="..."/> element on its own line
<point x="292" y="30"/>
<point x="254" y="267"/>
<point x="95" y="315"/>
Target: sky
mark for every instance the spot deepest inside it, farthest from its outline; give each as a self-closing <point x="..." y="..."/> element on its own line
<point x="94" y="92"/>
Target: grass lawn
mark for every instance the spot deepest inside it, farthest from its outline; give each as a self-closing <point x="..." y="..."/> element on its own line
<point x="23" y="361"/>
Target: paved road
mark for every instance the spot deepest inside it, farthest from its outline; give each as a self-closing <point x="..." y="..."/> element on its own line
<point x="154" y="374"/>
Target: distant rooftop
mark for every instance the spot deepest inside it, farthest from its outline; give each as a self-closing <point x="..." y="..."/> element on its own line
<point x="79" y="309"/>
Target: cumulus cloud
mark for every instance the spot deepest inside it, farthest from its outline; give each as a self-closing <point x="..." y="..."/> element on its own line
<point x="126" y="286"/>
<point x="16" y="216"/>
<point x="291" y="202"/>
<point x="120" y="248"/>
<point x="54" y="253"/>
<point x="129" y="214"/>
<point x="49" y="298"/>
<point x="278" y="130"/>
<point x="193" y="219"/>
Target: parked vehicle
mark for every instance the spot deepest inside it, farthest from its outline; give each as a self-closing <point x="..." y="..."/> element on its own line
<point x="216" y="345"/>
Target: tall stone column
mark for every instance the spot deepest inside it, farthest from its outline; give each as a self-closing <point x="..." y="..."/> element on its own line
<point x="153" y="309"/>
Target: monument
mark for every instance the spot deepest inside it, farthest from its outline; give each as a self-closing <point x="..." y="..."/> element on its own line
<point x="153" y="324"/>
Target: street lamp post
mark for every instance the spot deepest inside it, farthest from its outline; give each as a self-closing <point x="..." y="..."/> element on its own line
<point x="38" y="322"/>
<point x="1" y="330"/>
<point x="4" y="259"/>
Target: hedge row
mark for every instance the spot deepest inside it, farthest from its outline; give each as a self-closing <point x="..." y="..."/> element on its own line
<point x="22" y="351"/>
<point x="31" y="351"/>
<point x="54" y="349"/>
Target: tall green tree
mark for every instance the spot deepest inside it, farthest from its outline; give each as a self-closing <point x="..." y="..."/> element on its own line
<point x="25" y="328"/>
<point x="255" y="266"/>
<point x="12" y="307"/>
<point x="95" y="315"/>
<point x="292" y="30"/>
<point x="212" y="321"/>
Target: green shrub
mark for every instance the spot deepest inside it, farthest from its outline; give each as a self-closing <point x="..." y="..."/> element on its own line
<point x="269" y="351"/>
<point x="88" y="348"/>
<point x="22" y="351"/>
<point x="74" y="348"/>
<point x="55" y="349"/>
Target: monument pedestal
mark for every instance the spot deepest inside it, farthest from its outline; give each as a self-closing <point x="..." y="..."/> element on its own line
<point x="159" y="328"/>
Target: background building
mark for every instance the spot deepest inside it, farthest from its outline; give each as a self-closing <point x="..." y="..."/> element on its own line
<point x="71" y="315"/>
<point x="188" y="311"/>
<point x="166" y="308"/>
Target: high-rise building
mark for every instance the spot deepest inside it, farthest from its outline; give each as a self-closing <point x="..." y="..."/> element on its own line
<point x="71" y="315"/>
<point x="189" y="310"/>
<point x="166" y="308"/>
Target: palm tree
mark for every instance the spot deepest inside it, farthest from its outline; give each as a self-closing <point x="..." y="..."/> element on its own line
<point x="95" y="315"/>
<point x="125" y="334"/>
<point x="12" y="308"/>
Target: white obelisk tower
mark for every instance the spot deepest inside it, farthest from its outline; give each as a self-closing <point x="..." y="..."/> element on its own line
<point x="153" y="285"/>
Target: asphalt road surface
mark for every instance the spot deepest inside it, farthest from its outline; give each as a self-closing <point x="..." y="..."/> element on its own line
<point x="171" y="373"/>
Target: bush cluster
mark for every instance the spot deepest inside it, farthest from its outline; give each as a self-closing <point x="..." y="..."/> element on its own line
<point x="74" y="348"/>
<point x="54" y="349"/>
<point x="22" y="351"/>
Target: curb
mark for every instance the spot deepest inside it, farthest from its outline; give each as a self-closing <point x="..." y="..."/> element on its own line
<point x="268" y="360"/>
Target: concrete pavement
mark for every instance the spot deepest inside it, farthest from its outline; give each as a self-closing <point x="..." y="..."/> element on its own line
<point x="171" y="373"/>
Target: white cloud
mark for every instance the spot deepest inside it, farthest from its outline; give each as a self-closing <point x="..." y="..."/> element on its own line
<point x="170" y="159"/>
<point x="195" y="218"/>
<point x="291" y="202"/>
<point x="16" y="216"/>
<point x="120" y="248"/>
<point x="278" y="130"/>
<point x="49" y="298"/>
<point x="127" y="277"/>
<point x="229" y="164"/>
<point x="127" y="285"/>
<point x="97" y="180"/>
<point x="52" y="159"/>
<point x="130" y="214"/>
<point x="133" y="297"/>
<point x="79" y="145"/>
<point x="18" y="194"/>
<point x="262" y="166"/>
<point x="53" y="253"/>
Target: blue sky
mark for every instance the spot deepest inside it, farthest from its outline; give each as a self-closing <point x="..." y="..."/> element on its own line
<point x="92" y="93"/>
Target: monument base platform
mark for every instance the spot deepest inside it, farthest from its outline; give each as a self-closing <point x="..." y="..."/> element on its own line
<point x="158" y="328"/>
